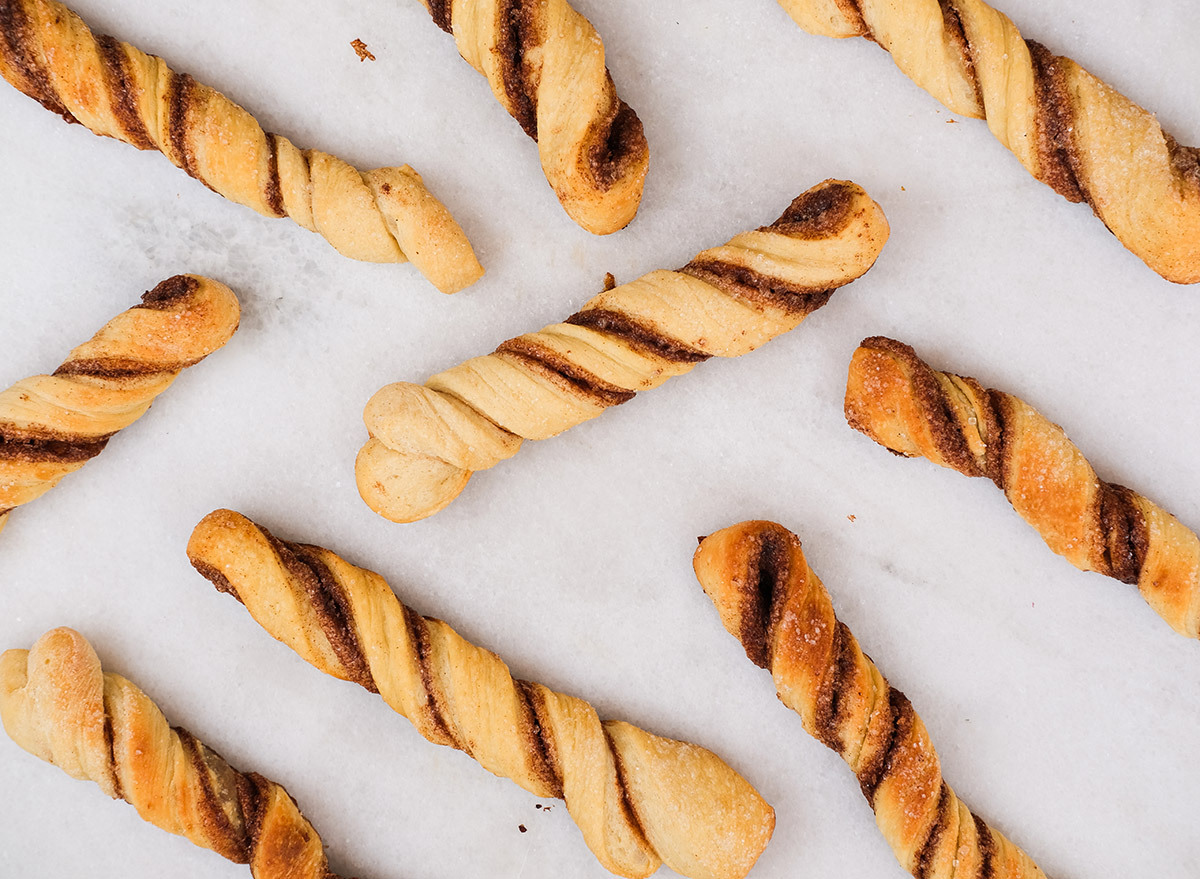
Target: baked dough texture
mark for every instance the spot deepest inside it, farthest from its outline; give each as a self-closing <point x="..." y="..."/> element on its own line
<point x="1070" y="130"/>
<point x="58" y="704"/>
<point x="427" y="440"/>
<point x="116" y="90"/>
<point x="640" y="800"/>
<point x="903" y="404"/>
<point x="51" y="425"/>
<point x="545" y="65"/>
<point x="770" y="599"/>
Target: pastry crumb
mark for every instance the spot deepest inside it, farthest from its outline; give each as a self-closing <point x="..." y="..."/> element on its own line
<point x="522" y="828"/>
<point x="361" y="50"/>
<point x="609" y="281"/>
<point x="852" y="518"/>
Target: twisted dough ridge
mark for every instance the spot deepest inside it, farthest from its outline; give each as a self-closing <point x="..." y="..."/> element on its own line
<point x="51" y="425"/>
<point x="58" y="704"/>
<point x="1070" y="130"/>
<point x="545" y="64"/>
<point x="640" y="800"/>
<point x="771" y="600"/>
<point x="426" y="441"/>
<point x="116" y="90"/>
<point x="900" y="402"/>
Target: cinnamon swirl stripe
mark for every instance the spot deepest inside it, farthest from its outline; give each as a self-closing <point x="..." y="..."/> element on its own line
<point x="51" y="425"/>
<point x="770" y="599"/>
<point x="1070" y="130"/>
<point x="545" y="64"/>
<point x="58" y="704"/>
<point x="427" y="440"/>
<point x="903" y="404"/>
<point x="116" y="90"/>
<point x="639" y="799"/>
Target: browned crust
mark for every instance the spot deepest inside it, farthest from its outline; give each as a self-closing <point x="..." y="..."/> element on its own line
<point x="1126" y="534"/>
<point x="220" y="833"/>
<point x="118" y="368"/>
<point x="821" y="212"/>
<point x="273" y="191"/>
<point x="16" y="42"/>
<point x="928" y="851"/>
<point x="1058" y="154"/>
<point x="179" y="101"/>
<point x="957" y="36"/>
<point x="540" y="744"/>
<point x="118" y="78"/>
<point x="169" y="293"/>
<point x="519" y="33"/>
<point x="830" y="705"/>
<point x="562" y="372"/>
<point x="944" y="428"/>
<point x="875" y="768"/>
<point x="330" y="604"/>
<point x="418" y="633"/>
<point x="440" y="11"/>
<point x="58" y="448"/>
<point x="636" y="335"/>
<point x="618" y="142"/>
<point x="757" y="289"/>
<point x="214" y="576"/>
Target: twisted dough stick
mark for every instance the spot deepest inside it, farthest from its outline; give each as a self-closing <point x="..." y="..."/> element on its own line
<point x="639" y="799"/>
<point x="771" y="600"/>
<point x="900" y="402"/>
<point x="386" y="215"/>
<point x="1070" y="130"/>
<point x="545" y="64"/>
<point x="427" y="440"/>
<point x="51" y="425"/>
<point x="58" y="704"/>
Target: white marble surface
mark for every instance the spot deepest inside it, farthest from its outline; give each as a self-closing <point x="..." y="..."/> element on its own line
<point x="1063" y="708"/>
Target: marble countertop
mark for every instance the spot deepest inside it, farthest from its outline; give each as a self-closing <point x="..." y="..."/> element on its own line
<point x="1064" y="710"/>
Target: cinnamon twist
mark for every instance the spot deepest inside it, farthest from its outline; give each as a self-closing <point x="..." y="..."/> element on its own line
<point x="1069" y="129"/>
<point x="426" y="441"/>
<point x="545" y="65"/>
<point x="640" y="800"/>
<point x="899" y="401"/>
<point x="770" y="599"/>
<point x="59" y="705"/>
<point x="51" y="425"/>
<point x="116" y="90"/>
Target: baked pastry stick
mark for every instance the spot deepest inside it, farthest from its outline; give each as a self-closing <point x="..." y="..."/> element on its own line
<point x="51" y="425"/>
<point x="427" y="440"/>
<point x="639" y="799"/>
<point x="545" y="64"/>
<point x="1070" y="130"/>
<point x="903" y="404"/>
<point x="385" y="215"/>
<point x="771" y="600"/>
<point x="58" y="704"/>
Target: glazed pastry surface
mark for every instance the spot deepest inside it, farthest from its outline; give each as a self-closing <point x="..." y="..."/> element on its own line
<point x="770" y="599"/>
<point x="51" y="425"/>
<point x="903" y="404"/>
<point x="116" y="90"/>
<point x="640" y="800"/>
<point x="58" y="704"/>
<point x="427" y="440"/>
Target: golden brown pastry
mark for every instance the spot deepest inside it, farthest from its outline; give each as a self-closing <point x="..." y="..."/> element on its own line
<point x="770" y="599"/>
<point x="427" y="440"/>
<point x="639" y="799"/>
<point x="385" y="215"/>
<point x="1070" y="130"/>
<point x="545" y="64"/>
<point x="51" y="425"/>
<point x="58" y="704"/>
<point x="900" y="402"/>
